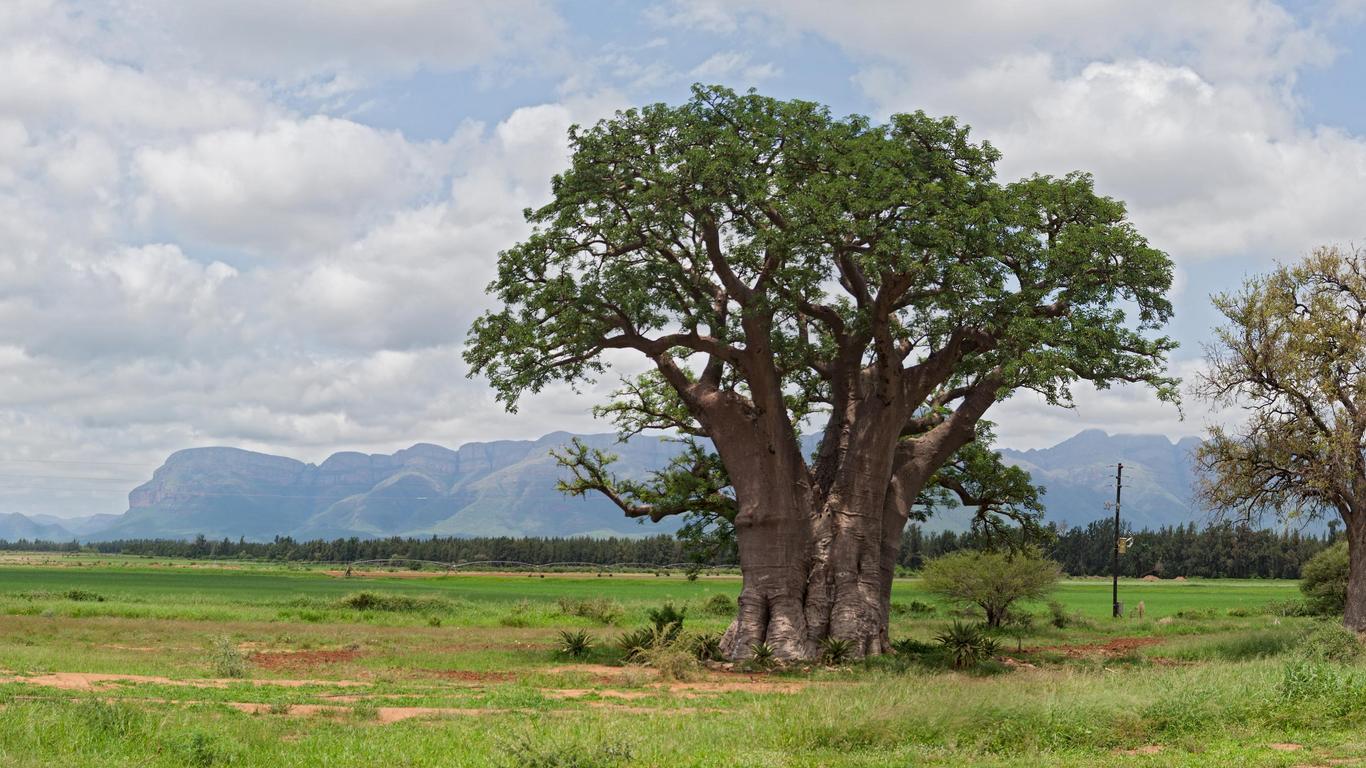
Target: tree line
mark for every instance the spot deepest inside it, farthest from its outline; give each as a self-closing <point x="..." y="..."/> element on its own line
<point x="661" y="549"/>
<point x="1220" y="550"/>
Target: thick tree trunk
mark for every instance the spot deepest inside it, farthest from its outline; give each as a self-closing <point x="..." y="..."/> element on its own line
<point x="1354" y="617"/>
<point x="793" y="597"/>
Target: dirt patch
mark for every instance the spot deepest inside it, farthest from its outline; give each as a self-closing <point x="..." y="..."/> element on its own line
<point x="1116" y="647"/>
<point x="84" y="681"/>
<point x="277" y="660"/>
<point x="1146" y="749"/>
<point x="1151" y="577"/>
<point x="600" y="670"/>
<point x="384" y="715"/>
<point x="1285" y="747"/>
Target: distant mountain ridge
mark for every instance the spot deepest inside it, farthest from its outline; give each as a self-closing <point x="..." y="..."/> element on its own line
<point x="507" y="488"/>
<point x="1078" y="476"/>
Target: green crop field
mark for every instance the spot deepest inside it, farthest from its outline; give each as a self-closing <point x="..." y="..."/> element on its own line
<point x="109" y="661"/>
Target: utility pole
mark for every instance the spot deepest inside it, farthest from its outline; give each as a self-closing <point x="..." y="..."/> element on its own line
<point x="1114" y="559"/>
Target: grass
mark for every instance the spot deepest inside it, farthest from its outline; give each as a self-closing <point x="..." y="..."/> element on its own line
<point x="1207" y="678"/>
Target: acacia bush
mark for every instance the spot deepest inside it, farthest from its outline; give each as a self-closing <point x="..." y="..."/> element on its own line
<point x="1324" y="580"/>
<point x="992" y="581"/>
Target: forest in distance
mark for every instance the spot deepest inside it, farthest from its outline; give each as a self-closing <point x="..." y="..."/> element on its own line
<point x="1219" y="550"/>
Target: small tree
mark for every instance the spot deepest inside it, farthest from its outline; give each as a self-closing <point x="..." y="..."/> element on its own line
<point x="992" y="581"/>
<point x="1293" y="356"/>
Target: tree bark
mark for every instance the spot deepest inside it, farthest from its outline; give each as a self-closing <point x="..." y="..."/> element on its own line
<point x="1354" y="615"/>
<point x="798" y="589"/>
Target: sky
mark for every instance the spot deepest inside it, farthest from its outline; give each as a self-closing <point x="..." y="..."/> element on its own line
<point x="268" y="223"/>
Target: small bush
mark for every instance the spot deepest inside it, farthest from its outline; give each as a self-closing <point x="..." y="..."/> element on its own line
<point x="1057" y="615"/>
<point x="908" y="647"/>
<point x="1323" y="580"/>
<point x="761" y="656"/>
<point x="1288" y="608"/>
<point x="433" y="621"/>
<point x="967" y="645"/>
<point x="1331" y="642"/>
<point x="719" y="605"/>
<point x="917" y="608"/>
<point x="575" y="644"/>
<point x="226" y="659"/>
<point x="383" y="601"/>
<point x="603" y="610"/>
<point x="707" y="647"/>
<point x="673" y="662"/>
<point x="81" y="595"/>
<point x="667" y="621"/>
<point x="836" y="651"/>
<point x="635" y="643"/>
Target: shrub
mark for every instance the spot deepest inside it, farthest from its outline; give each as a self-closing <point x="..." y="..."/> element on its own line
<point x="1288" y="608"/>
<point x="1018" y="625"/>
<point x="667" y="621"/>
<point x="81" y="595"/>
<point x="992" y="581"/>
<point x="918" y="608"/>
<point x="1331" y="642"/>
<point x="600" y="609"/>
<point x="673" y="661"/>
<point x="1323" y="580"/>
<point x="761" y="656"/>
<point x="1057" y="614"/>
<point x="910" y="647"/>
<point x="383" y="601"/>
<point x="707" y="647"/>
<point x="719" y="605"/>
<point x="836" y="651"/>
<point x="226" y="659"/>
<point x="967" y="645"/>
<point x="635" y="643"/>
<point x="575" y="644"/>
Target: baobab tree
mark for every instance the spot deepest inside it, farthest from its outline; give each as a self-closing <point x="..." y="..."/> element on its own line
<point x="1293" y="356"/>
<point x="774" y="266"/>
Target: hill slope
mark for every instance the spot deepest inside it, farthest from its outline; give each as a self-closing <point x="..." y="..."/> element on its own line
<point x="507" y="488"/>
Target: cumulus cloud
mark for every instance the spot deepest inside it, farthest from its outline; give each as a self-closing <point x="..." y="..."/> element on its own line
<point x="198" y="247"/>
<point x="291" y="184"/>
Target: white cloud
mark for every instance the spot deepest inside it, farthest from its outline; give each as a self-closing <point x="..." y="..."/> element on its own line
<point x="294" y="183"/>
<point x="733" y="64"/>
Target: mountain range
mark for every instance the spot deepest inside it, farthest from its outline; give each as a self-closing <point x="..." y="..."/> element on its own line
<point x="507" y="488"/>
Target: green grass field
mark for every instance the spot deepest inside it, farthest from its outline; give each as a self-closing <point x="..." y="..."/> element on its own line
<point x="121" y="661"/>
